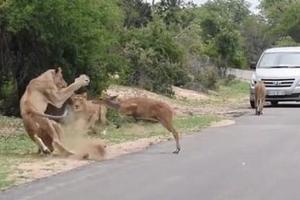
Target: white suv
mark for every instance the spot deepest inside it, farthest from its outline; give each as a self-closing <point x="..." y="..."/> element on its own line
<point x="279" y="69"/>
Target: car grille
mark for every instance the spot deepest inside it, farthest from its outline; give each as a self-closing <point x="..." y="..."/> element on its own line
<point x="290" y="96"/>
<point x="278" y="83"/>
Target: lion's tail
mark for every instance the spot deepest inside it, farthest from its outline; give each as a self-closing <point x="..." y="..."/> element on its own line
<point x="51" y="116"/>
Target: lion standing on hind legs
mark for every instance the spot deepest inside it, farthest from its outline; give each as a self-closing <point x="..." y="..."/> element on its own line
<point x="48" y="88"/>
<point x="260" y="95"/>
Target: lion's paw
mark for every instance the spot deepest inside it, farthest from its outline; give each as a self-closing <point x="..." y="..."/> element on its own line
<point x="83" y="79"/>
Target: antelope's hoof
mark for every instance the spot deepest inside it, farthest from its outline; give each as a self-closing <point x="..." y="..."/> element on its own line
<point x="85" y="156"/>
<point x="39" y="151"/>
<point x="176" y="151"/>
<point x="46" y="151"/>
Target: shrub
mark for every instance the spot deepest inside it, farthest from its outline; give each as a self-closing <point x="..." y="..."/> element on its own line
<point x="154" y="59"/>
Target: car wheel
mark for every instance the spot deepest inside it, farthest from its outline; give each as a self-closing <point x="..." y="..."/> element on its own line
<point x="252" y="104"/>
<point x="274" y="103"/>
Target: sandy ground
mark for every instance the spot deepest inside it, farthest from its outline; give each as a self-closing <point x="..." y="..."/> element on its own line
<point x="126" y="92"/>
<point x="50" y="165"/>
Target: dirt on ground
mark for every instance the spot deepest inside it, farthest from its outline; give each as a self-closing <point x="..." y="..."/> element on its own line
<point x="50" y="165"/>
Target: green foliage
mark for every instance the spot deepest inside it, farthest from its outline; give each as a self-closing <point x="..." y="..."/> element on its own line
<point x="114" y="117"/>
<point x="208" y="78"/>
<point x="220" y="33"/>
<point x="283" y="16"/>
<point x="234" y="11"/>
<point x="174" y="12"/>
<point x="286" y="41"/>
<point x="257" y="37"/>
<point x="154" y="59"/>
<point x="137" y="13"/>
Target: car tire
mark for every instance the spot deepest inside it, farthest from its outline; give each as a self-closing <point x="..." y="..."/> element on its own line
<point x="252" y="104"/>
<point x="274" y="103"/>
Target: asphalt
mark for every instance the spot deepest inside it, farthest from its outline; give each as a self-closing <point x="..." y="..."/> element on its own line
<point x="256" y="158"/>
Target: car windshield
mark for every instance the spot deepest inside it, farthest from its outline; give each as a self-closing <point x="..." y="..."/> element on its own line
<point x="280" y="60"/>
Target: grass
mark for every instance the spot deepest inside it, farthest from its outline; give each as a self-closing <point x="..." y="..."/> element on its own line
<point x="228" y="92"/>
<point x="5" y="181"/>
<point x="194" y="123"/>
<point x="16" y="145"/>
<point x="233" y="89"/>
<point x="133" y="131"/>
<point x="13" y="150"/>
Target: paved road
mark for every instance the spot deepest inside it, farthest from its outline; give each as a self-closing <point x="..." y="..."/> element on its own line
<point x="258" y="158"/>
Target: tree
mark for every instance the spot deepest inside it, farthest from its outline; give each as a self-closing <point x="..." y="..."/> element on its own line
<point x="283" y="17"/>
<point x="233" y="10"/>
<point x="257" y="37"/>
<point x="220" y="32"/>
<point x="173" y="12"/>
<point x="154" y="60"/>
<point x="137" y="13"/>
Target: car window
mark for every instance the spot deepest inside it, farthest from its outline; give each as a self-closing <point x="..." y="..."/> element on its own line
<point x="280" y="59"/>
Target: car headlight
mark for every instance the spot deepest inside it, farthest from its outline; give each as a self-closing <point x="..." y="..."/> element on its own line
<point x="254" y="79"/>
<point x="253" y="82"/>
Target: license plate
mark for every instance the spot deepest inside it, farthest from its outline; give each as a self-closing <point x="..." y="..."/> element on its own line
<point x="276" y="93"/>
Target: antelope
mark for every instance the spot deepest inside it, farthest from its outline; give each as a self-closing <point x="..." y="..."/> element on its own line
<point x="141" y="108"/>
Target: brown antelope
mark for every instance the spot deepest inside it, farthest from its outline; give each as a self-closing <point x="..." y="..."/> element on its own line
<point x="260" y="95"/>
<point x="145" y="109"/>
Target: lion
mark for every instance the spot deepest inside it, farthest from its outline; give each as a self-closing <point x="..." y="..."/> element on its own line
<point x="48" y="88"/>
<point x="90" y="112"/>
<point x="260" y="95"/>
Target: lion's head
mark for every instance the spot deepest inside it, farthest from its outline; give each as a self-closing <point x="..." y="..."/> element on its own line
<point x="58" y="78"/>
<point x="79" y="102"/>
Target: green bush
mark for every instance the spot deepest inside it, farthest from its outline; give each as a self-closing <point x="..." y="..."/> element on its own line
<point x="154" y="59"/>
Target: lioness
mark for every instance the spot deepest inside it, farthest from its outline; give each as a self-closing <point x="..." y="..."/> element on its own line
<point x="260" y="95"/>
<point x="48" y="88"/>
<point x="89" y="111"/>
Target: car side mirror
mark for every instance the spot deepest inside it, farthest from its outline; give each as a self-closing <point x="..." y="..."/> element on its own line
<point x="252" y="65"/>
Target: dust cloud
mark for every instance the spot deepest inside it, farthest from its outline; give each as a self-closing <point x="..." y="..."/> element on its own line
<point x="76" y="139"/>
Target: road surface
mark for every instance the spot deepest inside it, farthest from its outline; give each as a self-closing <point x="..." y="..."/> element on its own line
<point x="258" y="158"/>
